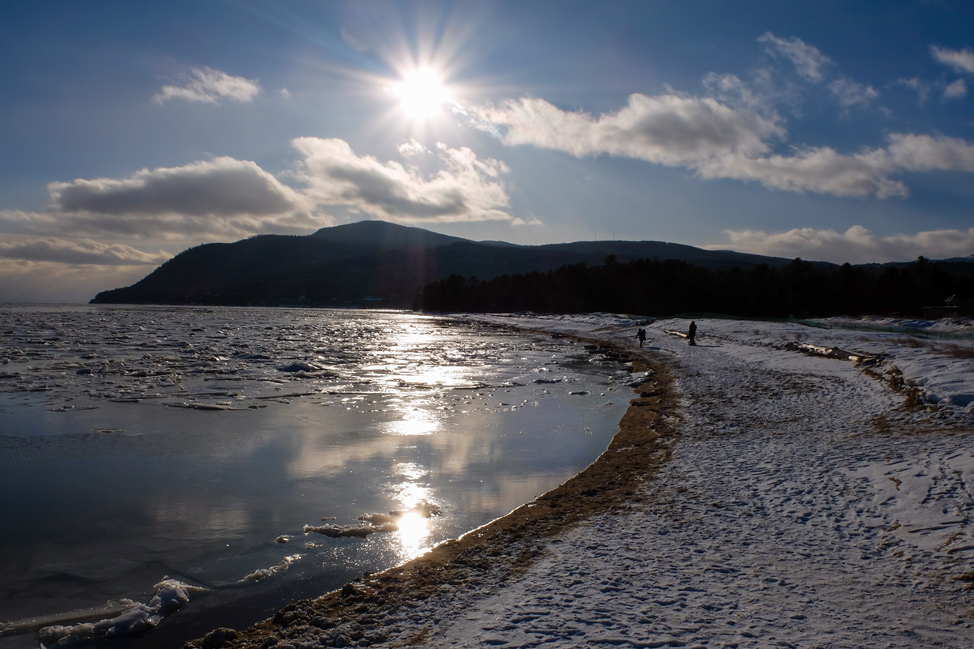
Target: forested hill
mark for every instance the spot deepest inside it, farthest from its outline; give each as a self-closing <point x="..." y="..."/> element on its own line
<point x="670" y="287"/>
<point x="377" y="263"/>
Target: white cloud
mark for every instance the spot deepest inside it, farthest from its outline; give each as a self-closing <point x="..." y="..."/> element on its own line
<point x="808" y="60"/>
<point x="717" y="141"/>
<point x="14" y="222"/>
<point x="220" y="197"/>
<point x="821" y="169"/>
<point x="666" y="129"/>
<point x="464" y="189"/>
<point x="211" y="86"/>
<point x="226" y="198"/>
<point x="78" y="251"/>
<point x="922" y="89"/>
<point x="411" y="148"/>
<point x="730" y="89"/>
<point x="930" y="153"/>
<point x="222" y="186"/>
<point x="760" y="95"/>
<point x="850" y="94"/>
<point x="956" y="90"/>
<point x="960" y="60"/>
<point x="857" y="245"/>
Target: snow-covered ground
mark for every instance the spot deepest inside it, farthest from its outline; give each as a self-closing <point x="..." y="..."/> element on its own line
<point x="804" y="507"/>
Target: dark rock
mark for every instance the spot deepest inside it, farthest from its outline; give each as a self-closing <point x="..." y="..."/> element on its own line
<point x="322" y="622"/>
<point x="218" y="637"/>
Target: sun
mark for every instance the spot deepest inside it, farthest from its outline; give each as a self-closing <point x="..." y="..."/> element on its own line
<point x="421" y="93"/>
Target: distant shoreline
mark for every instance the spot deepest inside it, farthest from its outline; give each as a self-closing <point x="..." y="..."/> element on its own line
<point x="506" y="546"/>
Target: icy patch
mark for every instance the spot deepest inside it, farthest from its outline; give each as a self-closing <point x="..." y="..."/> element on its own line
<point x="263" y="573"/>
<point x="170" y="596"/>
<point x="375" y="523"/>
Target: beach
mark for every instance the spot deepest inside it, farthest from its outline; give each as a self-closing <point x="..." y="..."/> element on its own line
<point x="775" y="485"/>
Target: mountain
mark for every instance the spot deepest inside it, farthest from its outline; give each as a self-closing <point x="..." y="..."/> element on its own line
<point x="383" y="236"/>
<point x="382" y="263"/>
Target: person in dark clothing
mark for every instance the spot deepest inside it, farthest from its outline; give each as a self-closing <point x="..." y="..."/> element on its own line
<point x="692" y="333"/>
<point x="641" y="334"/>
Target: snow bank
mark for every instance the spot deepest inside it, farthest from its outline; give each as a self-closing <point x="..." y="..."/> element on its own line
<point x="942" y="370"/>
<point x="804" y="506"/>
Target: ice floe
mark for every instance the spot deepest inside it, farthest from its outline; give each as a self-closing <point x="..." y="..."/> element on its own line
<point x="170" y="595"/>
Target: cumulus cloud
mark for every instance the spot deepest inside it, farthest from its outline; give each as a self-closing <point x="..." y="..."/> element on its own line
<point x="464" y="189"/>
<point x="856" y="245"/>
<point x="221" y="197"/>
<point x="222" y="186"/>
<point x="851" y="94"/>
<point x="79" y="251"/>
<point x="930" y="153"/>
<point x="718" y="141"/>
<point x="960" y="60"/>
<point x="808" y="60"/>
<point x="228" y="198"/>
<point x="411" y="148"/>
<point x="668" y="129"/>
<point x="210" y="86"/>
<point x="956" y="90"/>
<point x="821" y="170"/>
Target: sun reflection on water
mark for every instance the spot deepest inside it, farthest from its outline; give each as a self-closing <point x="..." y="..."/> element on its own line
<point x="415" y="510"/>
<point x="414" y="530"/>
<point x="414" y="422"/>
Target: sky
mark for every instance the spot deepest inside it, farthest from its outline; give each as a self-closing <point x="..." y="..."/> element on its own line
<point x="827" y="130"/>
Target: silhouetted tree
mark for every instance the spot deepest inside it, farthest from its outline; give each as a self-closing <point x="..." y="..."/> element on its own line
<point x="670" y="287"/>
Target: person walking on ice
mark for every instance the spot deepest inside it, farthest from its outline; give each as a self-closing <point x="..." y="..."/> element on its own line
<point x="641" y="335"/>
<point x="691" y="333"/>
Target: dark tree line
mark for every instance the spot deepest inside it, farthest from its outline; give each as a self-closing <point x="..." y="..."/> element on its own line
<point x="797" y="289"/>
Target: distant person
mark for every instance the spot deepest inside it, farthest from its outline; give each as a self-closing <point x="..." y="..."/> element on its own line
<point x="641" y="335"/>
<point x="692" y="333"/>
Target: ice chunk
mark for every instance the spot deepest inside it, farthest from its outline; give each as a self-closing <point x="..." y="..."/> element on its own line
<point x="169" y="597"/>
<point x="334" y="531"/>
<point x="376" y="519"/>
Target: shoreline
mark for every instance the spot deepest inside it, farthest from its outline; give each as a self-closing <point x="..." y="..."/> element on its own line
<point x="794" y="472"/>
<point x="495" y="552"/>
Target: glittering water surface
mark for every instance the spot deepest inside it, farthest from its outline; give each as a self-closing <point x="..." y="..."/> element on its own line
<point x="208" y="444"/>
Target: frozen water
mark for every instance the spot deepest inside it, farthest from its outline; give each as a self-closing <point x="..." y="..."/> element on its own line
<point x="139" y="443"/>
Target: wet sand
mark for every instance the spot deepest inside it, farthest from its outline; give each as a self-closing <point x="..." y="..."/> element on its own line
<point x="494" y="553"/>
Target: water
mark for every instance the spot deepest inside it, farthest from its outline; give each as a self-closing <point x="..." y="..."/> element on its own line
<point x="141" y="443"/>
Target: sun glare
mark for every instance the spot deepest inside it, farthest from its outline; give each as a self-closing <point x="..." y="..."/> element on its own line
<point x="421" y="93"/>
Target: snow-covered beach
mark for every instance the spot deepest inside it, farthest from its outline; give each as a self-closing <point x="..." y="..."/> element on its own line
<point x="806" y="501"/>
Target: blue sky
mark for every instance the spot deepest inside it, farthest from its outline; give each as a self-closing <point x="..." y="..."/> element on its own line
<point x="838" y="131"/>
